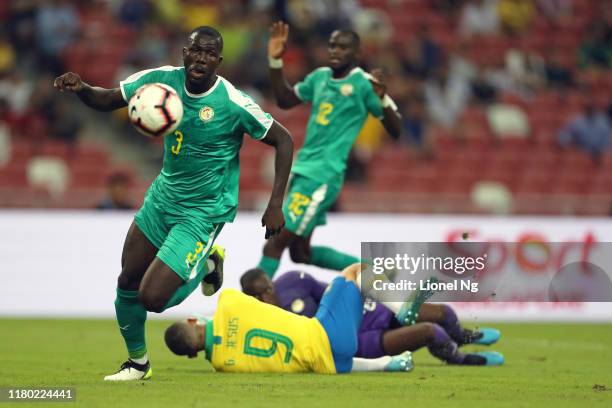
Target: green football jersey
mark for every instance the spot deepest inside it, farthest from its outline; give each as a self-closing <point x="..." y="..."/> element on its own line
<point x="201" y="169"/>
<point x="339" y="109"/>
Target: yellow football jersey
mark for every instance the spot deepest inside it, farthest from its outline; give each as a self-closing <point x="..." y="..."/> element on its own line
<point x="251" y="336"/>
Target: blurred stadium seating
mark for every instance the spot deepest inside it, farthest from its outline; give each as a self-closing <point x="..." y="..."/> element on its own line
<point x="543" y="177"/>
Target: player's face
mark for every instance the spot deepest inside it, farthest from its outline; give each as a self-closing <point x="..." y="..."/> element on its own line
<point x="342" y="51"/>
<point x="264" y="290"/>
<point x="196" y="335"/>
<point x="201" y="58"/>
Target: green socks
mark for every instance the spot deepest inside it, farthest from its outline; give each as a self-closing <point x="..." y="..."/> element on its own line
<point x="323" y="257"/>
<point x="131" y="317"/>
<point x="329" y="258"/>
<point x="268" y="265"/>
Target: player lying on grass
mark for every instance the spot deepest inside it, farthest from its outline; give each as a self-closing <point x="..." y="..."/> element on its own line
<point x="382" y="332"/>
<point x="342" y="96"/>
<point x="246" y="335"/>
<point x="166" y="249"/>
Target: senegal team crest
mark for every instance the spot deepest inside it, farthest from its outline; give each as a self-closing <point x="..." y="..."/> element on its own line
<point x="346" y="89"/>
<point x="206" y="113"/>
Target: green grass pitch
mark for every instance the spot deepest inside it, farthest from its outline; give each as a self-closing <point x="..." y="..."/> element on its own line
<point x="547" y="365"/>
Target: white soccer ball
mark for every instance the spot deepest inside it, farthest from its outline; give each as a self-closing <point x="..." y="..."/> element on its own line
<point x="155" y="110"/>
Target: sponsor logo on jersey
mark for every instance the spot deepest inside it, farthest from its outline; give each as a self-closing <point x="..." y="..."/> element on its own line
<point x="206" y="113"/>
<point x="297" y="306"/>
<point x="346" y="89"/>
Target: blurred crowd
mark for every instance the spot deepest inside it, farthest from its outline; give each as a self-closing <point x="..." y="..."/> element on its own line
<point x="441" y="58"/>
<point x="33" y="35"/>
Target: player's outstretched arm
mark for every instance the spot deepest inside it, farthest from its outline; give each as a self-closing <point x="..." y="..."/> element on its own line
<point x="281" y="140"/>
<point x="392" y="120"/>
<point x="284" y="93"/>
<point x="95" y="97"/>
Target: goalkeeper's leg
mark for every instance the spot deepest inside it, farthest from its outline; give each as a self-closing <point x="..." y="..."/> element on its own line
<point x="439" y="343"/>
<point x="445" y="316"/>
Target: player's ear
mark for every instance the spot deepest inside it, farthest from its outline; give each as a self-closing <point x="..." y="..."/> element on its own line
<point x="184" y="51"/>
<point x="220" y="59"/>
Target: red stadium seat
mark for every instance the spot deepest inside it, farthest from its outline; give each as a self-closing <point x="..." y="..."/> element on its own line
<point x="88" y="174"/>
<point x="600" y="183"/>
<point x="574" y="161"/>
<point x="533" y="182"/>
<point x="13" y="176"/>
<point x="21" y="151"/>
<point x="92" y="153"/>
<point x="54" y="148"/>
<point x="457" y="181"/>
<point x="23" y="196"/>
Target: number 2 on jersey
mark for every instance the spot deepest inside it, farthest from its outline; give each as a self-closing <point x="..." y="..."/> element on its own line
<point x="325" y="108"/>
<point x="274" y="338"/>
<point x="179" y="142"/>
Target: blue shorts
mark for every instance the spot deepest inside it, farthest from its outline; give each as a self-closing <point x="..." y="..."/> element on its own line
<point x="340" y="313"/>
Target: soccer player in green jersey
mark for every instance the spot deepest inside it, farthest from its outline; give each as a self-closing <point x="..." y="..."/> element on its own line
<point x="342" y="95"/>
<point x="167" y="246"/>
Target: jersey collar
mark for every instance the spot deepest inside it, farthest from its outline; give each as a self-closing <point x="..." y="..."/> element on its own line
<point x="212" y="88"/>
<point x="351" y="72"/>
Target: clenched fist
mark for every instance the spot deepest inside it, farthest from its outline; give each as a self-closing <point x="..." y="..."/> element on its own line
<point x="69" y="82"/>
<point x="273" y="220"/>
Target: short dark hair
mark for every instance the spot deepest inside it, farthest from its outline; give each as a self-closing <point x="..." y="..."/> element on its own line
<point x="208" y="31"/>
<point x="179" y="340"/>
<point x="355" y="40"/>
<point x="248" y="279"/>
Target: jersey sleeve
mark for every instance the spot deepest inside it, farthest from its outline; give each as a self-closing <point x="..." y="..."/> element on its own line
<point x="372" y="101"/>
<point x="252" y="119"/>
<point x="130" y="85"/>
<point x="304" y="89"/>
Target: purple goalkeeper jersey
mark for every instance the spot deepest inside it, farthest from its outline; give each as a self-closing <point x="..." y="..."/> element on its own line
<point x="300" y="293"/>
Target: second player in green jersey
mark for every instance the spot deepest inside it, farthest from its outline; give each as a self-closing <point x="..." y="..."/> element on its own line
<point x="340" y="107"/>
<point x="342" y="96"/>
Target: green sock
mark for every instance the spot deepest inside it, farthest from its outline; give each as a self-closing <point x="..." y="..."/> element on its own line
<point x="268" y="265"/>
<point x="329" y="258"/>
<point x="131" y="317"/>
